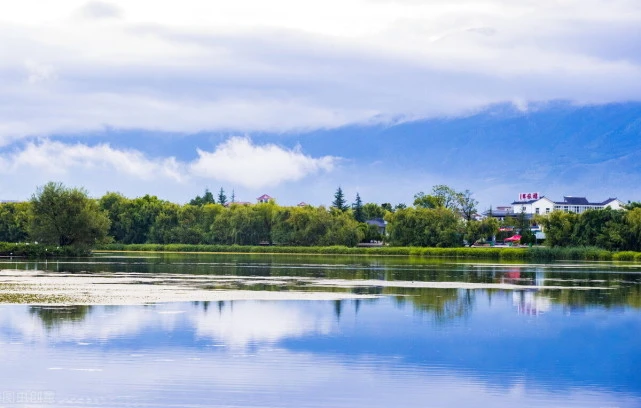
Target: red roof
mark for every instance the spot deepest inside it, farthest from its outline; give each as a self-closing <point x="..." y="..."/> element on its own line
<point x="513" y="238"/>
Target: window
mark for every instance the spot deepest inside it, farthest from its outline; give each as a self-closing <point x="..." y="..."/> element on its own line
<point x="536" y="210"/>
<point x="576" y="209"/>
<point x="523" y="208"/>
<point x="566" y="208"/>
<point x="547" y="210"/>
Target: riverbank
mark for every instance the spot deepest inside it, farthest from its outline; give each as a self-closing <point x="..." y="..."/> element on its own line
<point x="537" y="253"/>
<point x="28" y="250"/>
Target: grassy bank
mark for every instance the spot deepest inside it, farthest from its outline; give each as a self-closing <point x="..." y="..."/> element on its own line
<point x="40" y="251"/>
<point x="491" y="253"/>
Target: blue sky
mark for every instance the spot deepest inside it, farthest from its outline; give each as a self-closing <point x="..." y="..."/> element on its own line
<point x="170" y="98"/>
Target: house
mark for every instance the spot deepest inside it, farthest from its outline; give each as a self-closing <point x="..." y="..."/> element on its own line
<point x="533" y="204"/>
<point x="379" y="223"/>
<point x="302" y="204"/>
<point x="580" y="204"/>
<point x="264" y="198"/>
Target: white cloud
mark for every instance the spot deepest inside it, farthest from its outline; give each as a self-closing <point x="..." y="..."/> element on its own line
<point x="239" y="161"/>
<point x="37" y="72"/>
<point x="57" y="159"/>
<point x="285" y="65"/>
<point x="99" y="168"/>
<point x="259" y="322"/>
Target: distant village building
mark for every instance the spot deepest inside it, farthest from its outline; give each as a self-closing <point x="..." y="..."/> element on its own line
<point x="581" y="204"/>
<point x="302" y="204"/>
<point x="264" y="198"/>
<point x="531" y="204"/>
<point x="379" y="223"/>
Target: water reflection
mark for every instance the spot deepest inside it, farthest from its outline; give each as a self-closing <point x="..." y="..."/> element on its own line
<point x="614" y="285"/>
<point x="380" y="353"/>
<point x="531" y="346"/>
<point x="54" y="316"/>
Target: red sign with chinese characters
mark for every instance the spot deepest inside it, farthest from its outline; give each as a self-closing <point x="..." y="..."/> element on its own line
<point x="529" y="196"/>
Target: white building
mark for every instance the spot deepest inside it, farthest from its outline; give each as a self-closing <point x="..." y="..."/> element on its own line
<point x="543" y="205"/>
<point x="578" y="205"/>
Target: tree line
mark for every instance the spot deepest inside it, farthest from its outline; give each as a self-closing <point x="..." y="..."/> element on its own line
<point x="62" y="216"/>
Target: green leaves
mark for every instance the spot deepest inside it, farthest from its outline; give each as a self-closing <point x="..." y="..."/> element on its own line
<point x="425" y="227"/>
<point x="66" y="216"/>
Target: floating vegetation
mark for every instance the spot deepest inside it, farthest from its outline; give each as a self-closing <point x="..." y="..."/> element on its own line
<point x="34" y="298"/>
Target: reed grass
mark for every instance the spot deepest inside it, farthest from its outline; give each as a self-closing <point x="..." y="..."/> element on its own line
<point x="26" y="250"/>
<point x="539" y="253"/>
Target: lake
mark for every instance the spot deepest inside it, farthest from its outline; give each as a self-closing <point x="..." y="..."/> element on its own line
<point x="334" y="332"/>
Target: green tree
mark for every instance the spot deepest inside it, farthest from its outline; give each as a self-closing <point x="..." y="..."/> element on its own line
<point x="66" y="216"/>
<point x="442" y="196"/>
<point x="131" y="220"/>
<point x="633" y="219"/>
<point x="339" y="202"/>
<point x="483" y="230"/>
<point x="605" y="228"/>
<point x="166" y="226"/>
<point x="467" y="204"/>
<point x="422" y="200"/>
<point x="14" y="221"/>
<point x="373" y="210"/>
<point x="426" y="227"/>
<point x="359" y="214"/>
<point x="559" y="228"/>
<point x="527" y="236"/>
<point x="222" y="198"/>
<point x="207" y="198"/>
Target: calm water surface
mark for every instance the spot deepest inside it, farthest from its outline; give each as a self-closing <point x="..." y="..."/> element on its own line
<point x="410" y="347"/>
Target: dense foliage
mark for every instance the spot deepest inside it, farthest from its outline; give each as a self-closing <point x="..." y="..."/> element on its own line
<point x="614" y="230"/>
<point x="63" y="217"/>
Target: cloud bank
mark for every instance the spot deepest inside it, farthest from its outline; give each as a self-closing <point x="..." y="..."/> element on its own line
<point x="241" y="162"/>
<point x="236" y="161"/>
<point x="78" y="66"/>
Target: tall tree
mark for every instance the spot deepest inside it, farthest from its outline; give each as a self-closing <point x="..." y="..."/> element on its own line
<point x="339" y="201"/>
<point x="66" y="216"/>
<point x="527" y="236"/>
<point x="222" y="198"/>
<point x="207" y="198"/>
<point x="467" y="204"/>
<point x="442" y="197"/>
<point x="359" y="214"/>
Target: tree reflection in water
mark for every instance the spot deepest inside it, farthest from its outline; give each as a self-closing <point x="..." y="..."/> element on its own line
<point x="54" y="316"/>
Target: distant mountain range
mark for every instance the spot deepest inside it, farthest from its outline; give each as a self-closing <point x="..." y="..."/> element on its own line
<point x="555" y="148"/>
